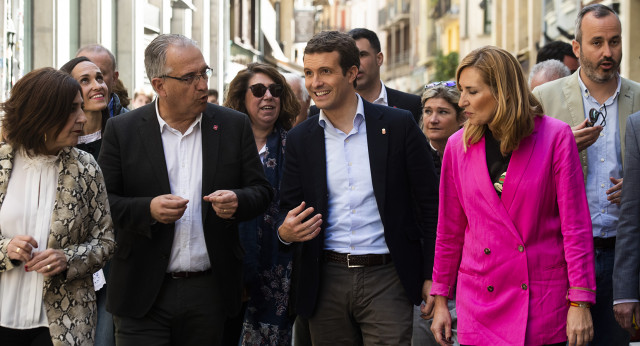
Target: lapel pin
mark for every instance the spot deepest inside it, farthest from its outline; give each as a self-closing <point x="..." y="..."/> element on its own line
<point x="215" y="127"/>
<point x="384" y="131"/>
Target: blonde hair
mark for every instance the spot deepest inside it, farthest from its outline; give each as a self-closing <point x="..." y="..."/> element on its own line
<point x="516" y="105"/>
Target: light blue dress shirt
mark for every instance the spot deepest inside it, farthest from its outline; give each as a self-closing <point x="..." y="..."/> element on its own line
<point x="604" y="160"/>
<point x="353" y="221"/>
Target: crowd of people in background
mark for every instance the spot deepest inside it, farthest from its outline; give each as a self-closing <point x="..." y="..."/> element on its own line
<point x="324" y="208"/>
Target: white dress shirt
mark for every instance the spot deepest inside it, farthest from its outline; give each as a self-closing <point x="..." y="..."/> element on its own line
<point x="27" y="210"/>
<point x="382" y="98"/>
<point x="353" y="221"/>
<point x="183" y="155"/>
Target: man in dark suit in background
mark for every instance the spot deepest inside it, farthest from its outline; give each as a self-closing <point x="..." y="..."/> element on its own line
<point x="180" y="174"/>
<point x="369" y="85"/>
<point x="360" y="190"/>
<point x="626" y="271"/>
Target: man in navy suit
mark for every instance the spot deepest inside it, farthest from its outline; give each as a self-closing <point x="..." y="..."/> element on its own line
<point x="360" y="190"/>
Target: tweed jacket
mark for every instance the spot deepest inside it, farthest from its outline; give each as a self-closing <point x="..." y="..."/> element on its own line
<point x="562" y="99"/>
<point x="81" y="226"/>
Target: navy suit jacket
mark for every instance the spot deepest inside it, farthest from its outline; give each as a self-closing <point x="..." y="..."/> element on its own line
<point x="404" y="185"/>
<point x="135" y="171"/>
<point x="395" y="99"/>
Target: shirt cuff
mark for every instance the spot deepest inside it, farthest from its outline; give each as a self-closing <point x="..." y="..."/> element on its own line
<point x="280" y="239"/>
<point x="620" y="301"/>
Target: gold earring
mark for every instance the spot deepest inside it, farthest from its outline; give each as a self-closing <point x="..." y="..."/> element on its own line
<point x="45" y="137"/>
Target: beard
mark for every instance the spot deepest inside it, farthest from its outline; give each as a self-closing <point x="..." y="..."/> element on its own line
<point x="591" y="69"/>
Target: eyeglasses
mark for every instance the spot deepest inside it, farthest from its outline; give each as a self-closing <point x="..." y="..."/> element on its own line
<point x="259" y="89"/>
<point x="193" y="78"/>
<point x="594" y="115"/>
<point x="449" y="83"/>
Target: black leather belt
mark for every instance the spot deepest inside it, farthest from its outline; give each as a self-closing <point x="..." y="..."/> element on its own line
<point x="604" y="243"/>
<point x="356" y="261"/>
<point x="186" y="275"/>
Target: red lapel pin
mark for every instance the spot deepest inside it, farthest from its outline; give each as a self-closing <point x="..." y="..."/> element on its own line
<point x="215" y="127"/>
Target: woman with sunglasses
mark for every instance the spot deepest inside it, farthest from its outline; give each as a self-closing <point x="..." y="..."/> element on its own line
<point x="514" y="239"/>
<point x="263" y="93"/>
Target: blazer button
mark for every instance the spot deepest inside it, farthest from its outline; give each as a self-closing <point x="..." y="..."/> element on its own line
<point x="524" y="286"/>
<point x="520" y="248"/>
<point x="490" y="288"/>
<point x="487" y="251"/>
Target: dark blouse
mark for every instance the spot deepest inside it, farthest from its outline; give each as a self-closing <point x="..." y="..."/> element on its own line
<point x="437" y="161"/>
<point x="496" y="163"/>
<point x="92" y="148"/>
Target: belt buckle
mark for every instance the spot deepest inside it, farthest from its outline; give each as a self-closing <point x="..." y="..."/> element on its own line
<point x="175" y="277"/>
<point x="349" y="265"/>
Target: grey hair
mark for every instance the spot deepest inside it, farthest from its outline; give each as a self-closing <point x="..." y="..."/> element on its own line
<point x="449" y="94"/>
<point x="550" y="69"/>
<point x="292" y="77"/>
<point x="155" y="55"/>
<point x="599" y="11"/>
<point x="97" y="48"/>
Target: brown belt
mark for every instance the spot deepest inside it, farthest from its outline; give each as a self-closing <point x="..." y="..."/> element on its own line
<point x="186" y="275"/>
<point x="604" y="243"/>
<point x="356" y="261"/>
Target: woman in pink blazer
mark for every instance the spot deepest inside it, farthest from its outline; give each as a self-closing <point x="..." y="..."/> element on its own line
<point x="514" y="234"/>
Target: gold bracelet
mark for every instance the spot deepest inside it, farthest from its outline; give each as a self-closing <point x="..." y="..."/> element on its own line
<point x="579" y="305"/>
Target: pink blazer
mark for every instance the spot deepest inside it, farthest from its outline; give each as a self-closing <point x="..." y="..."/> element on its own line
<point x="517" y="259"/>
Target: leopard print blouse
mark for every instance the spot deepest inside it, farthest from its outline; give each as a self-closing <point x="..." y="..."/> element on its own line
<point x="81" y="226"/>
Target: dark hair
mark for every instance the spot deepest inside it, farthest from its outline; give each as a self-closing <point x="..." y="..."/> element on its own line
<point x="555" y="50"/>
<point x="335" y="41"/>
<point x="122" y="92"/>
<point x="289" y="106"/>
<point x="68" y="68"/>
<point x="212" y="92"/>
<point x="599" y="11"/>
<point x="71" y="64"/>
<point x="40" y="101"/>
<point x="371" y="36"/>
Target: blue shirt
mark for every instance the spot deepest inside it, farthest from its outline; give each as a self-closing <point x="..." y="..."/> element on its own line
<point x="353" y="221"/>
<point x="604" y="160"/>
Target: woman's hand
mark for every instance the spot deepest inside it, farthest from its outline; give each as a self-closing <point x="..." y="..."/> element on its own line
<point x="48" y="262"/>
<point x="579" y="326"/>
<point x="20" y="247"/>
<point x="441" y="325"/>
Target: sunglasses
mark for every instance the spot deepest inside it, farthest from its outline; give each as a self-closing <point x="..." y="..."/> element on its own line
<point x="258" y="90"/>
<point x="449" y="83"/>
<point x="594" y="115"/>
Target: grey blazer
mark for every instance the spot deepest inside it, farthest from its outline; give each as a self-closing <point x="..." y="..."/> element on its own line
<point x="626" y="270"/>
<point x="562" y="100"/>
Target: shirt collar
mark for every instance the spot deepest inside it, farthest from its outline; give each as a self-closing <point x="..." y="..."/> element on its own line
<point x="357" y="119"/>
<point x="163" y="124"/>
<point x="587" y="95"/>
<point x="382" y="98"/>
